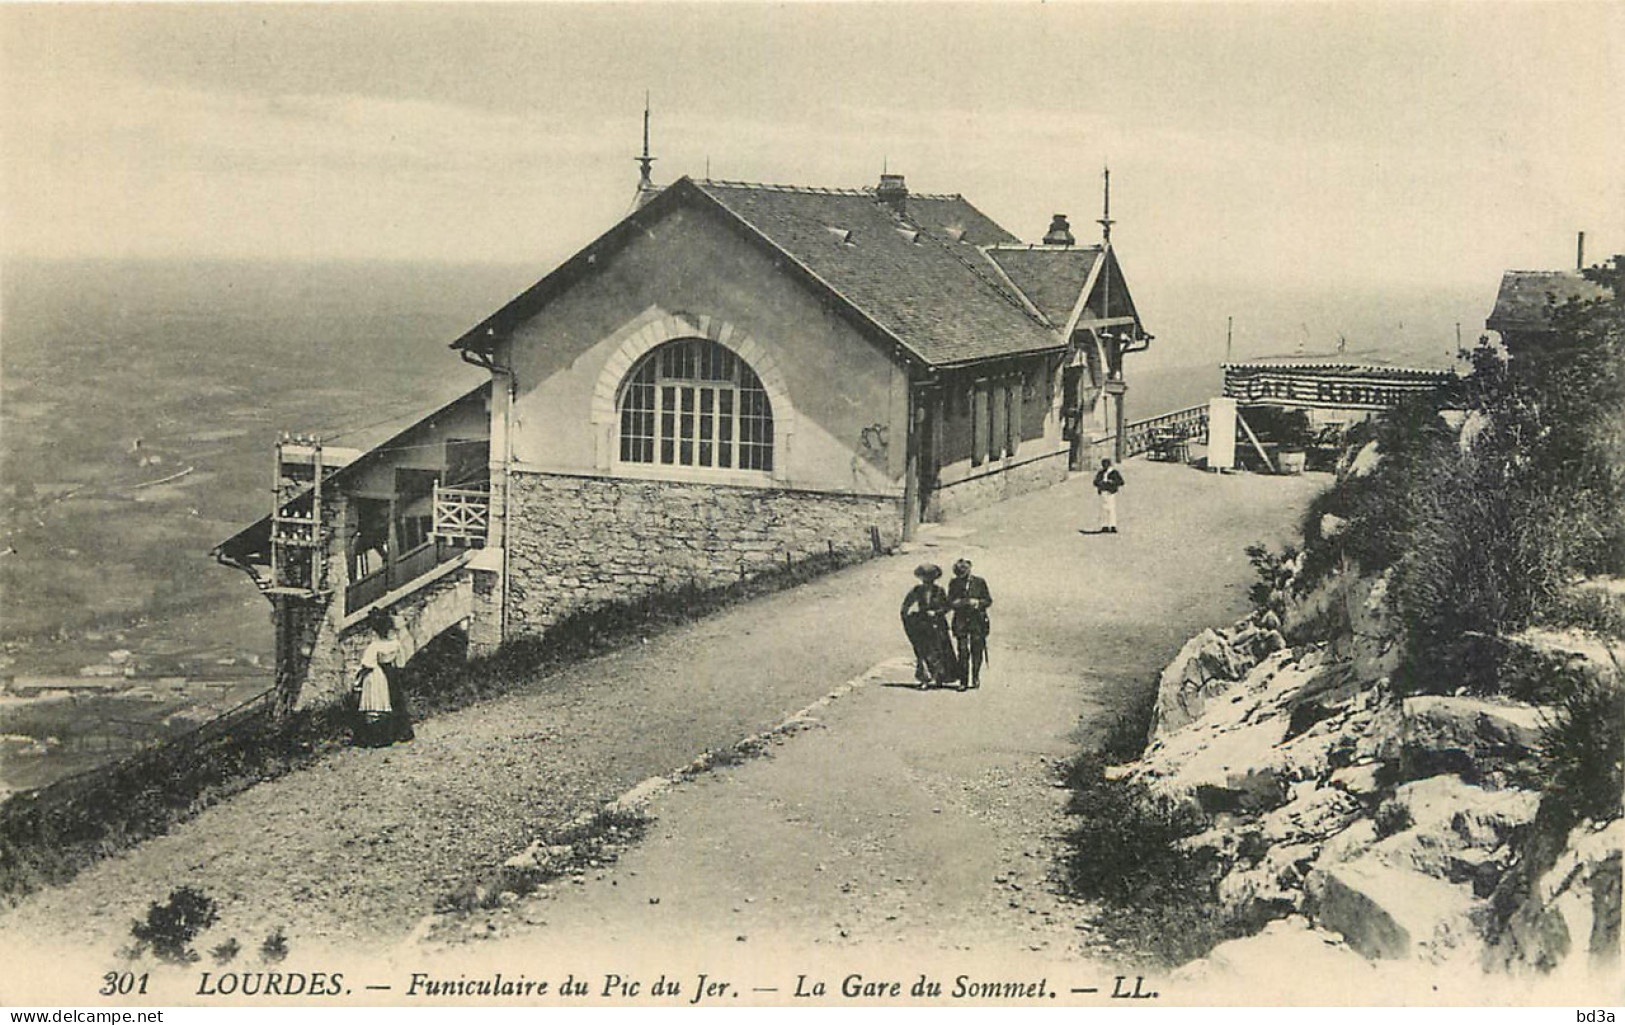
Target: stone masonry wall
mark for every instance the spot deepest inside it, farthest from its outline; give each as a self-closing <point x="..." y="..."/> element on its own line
<point x="979" y="492"/>
<point x="336" y="653"/>
<point x="579" y="542"/>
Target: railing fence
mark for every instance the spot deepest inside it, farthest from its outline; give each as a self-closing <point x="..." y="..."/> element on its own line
<point x="1167" y="429"/>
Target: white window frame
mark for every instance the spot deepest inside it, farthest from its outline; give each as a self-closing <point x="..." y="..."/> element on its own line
<point x="650" y="371"/>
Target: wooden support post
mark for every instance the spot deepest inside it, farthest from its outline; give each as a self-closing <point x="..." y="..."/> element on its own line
<point x="1254" y="439"/>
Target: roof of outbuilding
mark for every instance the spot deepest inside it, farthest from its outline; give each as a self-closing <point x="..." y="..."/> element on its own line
<point x="1366" y="363"/>
<point x="921" y="280"/>
<point x="254" y="540"/>
<point x="1527" y="298"/>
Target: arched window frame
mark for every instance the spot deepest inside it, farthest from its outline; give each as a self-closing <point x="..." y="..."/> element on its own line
<point x="692" y="405"/>
<point x="649" y="331"/>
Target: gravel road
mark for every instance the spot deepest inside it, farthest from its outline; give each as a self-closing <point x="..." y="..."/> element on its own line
<point x="917" y="817"/>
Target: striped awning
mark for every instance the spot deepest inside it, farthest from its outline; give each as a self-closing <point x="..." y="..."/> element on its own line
<point x="1343" y="386"/>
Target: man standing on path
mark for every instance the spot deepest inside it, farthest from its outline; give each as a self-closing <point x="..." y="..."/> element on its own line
<point x="969" y="598"/>
<point x="1107" y="482"/>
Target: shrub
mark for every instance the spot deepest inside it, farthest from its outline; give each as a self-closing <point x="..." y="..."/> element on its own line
<point x="226" y="952"/>
<point x="1391" y="817"/>
<point x="1269" y="593"/>
<point x="171" y="927"/>
<point x="1583" y="750"/>
<point x="275" y="948"/>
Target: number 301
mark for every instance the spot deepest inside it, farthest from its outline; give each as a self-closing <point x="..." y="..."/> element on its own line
<point x="123" y="984"/>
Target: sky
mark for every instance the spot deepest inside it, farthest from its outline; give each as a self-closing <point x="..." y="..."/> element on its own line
<point x="1304" y="145"/>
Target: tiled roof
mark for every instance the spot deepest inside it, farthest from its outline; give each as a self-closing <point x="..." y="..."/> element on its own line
<point x="1527" y="297"/>
<point x="1051" y="276"/>
<point x="920" y="277"/>
<point x="920" y="280"/>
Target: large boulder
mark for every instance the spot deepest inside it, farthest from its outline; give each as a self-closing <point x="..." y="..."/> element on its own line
<point x="1448" y="829"/>
<point x="1474" y="737"/>
<point x="1205" y="667"/>
<point x="1389" y="913"/>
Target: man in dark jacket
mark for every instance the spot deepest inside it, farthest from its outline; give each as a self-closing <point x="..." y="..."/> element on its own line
<point x="968" y="598"/>
<point x="1107" y="483"/>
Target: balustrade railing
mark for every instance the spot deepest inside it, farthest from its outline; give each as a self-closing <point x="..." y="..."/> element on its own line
<point x="462" y="516"/>
<point x="1161" y="434"/>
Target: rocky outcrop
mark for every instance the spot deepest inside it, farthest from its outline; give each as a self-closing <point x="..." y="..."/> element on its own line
<point x="1470" y="735"/>
<point x="1205" y="666"/>
<point x="1357" y="822"/>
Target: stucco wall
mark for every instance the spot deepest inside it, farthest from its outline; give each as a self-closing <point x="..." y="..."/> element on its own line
<point x="847" y="399"/>
<point x="580" y="542"/>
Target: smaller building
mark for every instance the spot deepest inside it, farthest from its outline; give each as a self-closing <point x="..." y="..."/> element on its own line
<point x="1527" y="300"/>
<point x="1334" y="390"/>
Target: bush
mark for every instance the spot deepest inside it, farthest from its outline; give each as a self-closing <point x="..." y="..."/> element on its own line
<point x="171" y="927"/>
<point x="1269" y="593"/>
<point x="1583" y="751"/>
<point x="275" y="948"/>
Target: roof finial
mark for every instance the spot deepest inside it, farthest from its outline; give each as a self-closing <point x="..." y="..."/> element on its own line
<point x="1106" y="221"/>
<point x="645" y="162"/>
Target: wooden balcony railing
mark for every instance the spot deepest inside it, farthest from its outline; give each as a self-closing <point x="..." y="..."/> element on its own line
<point x="462" y="516"/>
<point x="401" y="571"/>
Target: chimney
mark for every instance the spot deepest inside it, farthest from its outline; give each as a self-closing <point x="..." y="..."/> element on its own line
<point x="1580" y="252"/>
<point x="893" y="193"/>
<point x="1060" y="233"/>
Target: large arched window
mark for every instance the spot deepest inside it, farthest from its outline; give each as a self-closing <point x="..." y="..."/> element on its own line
<point x="693" y="403"/>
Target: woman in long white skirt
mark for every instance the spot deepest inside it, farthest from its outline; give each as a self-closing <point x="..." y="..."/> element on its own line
<point x="375" y="707"/>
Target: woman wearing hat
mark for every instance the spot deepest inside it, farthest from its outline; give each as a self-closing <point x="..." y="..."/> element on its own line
<point x="925" y="620"/>
<point x="381" y="710"/>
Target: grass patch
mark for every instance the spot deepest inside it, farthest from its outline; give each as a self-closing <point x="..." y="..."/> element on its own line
<point x="1583" y="751"/>
<point x="1152" y="895"/>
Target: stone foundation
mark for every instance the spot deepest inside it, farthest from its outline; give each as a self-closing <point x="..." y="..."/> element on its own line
<point x="995" y="486"/>
<point x="575" y="543"/>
